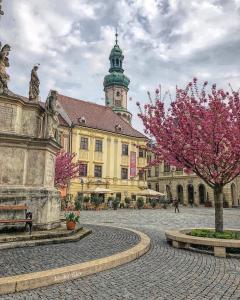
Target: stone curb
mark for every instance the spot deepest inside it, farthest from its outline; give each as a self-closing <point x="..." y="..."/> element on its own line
<point x="38" y="236"/>
<point x="78" y="235"/>
<point x="17" y="283"/>
<point x="181" y="236"/>
<point x="180" y="239"/>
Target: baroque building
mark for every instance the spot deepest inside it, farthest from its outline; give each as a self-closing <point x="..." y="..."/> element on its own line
<point x="175" y="183"/>
<point x="103" y="138"/>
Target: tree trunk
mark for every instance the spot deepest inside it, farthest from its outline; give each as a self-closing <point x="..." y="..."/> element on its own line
<point x="218" y="200"/>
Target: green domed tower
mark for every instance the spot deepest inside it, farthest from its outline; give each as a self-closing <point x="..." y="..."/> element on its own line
<point x="116" y="84"/>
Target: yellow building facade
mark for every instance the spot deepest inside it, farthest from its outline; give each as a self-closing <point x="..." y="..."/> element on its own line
<point x="103" y="139"/>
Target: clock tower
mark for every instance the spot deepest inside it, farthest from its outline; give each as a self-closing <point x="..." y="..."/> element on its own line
<point x="116" y="84"/>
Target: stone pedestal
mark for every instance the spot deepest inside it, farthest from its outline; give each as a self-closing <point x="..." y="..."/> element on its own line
<point x="27" y="162"/>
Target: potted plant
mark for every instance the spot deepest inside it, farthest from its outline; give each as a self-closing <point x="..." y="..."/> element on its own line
<point x="78" y="202"/>
<point x="71" y="219"/>
<point x="153" y="202"/>
<point x="127" y="201"/>
<point x="86" y="199"/>
<point x="115" y="203"/>
<point x="140" y="202"/>
<point x="164" y="202"/>
<point x="96" y="200"/>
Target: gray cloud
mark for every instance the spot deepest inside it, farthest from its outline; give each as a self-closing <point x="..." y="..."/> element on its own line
<point x="166" y="42"/>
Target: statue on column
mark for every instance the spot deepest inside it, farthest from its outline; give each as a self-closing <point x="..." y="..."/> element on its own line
<point x="52" y="121"/>
<point x="4" y="63"/>
<point x="34" y="85"/>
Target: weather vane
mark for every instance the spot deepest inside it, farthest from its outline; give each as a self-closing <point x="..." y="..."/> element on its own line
<point x="1" y="11"/>
<point x="116" y="35"/>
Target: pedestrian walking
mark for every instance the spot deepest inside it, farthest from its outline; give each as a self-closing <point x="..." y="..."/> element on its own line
<point x="176" y="205"/>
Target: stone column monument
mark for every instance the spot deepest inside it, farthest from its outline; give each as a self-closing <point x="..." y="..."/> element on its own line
<point x="28" y="147"/>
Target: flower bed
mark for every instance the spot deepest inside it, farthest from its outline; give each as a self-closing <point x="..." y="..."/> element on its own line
<point x="221" y="244"/>
<point x="208" y="233"/>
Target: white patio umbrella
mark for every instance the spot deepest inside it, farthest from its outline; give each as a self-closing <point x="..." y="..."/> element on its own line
<point x="98" y="190"/>
<point x="149" y="193"/>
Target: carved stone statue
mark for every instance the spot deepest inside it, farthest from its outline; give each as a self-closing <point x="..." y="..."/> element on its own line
<point x="34" y="85"/>
<point x="51" y="108"/>
<point x="4" y="63"/>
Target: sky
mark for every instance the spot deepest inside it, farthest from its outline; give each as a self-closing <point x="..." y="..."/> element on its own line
<point x="165" y="42"/>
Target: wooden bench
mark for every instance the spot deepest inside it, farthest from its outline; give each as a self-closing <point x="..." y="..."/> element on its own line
<point x="27" y="220"/>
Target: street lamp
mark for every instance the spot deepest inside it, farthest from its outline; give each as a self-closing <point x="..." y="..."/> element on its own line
<point x="82" y="183"/>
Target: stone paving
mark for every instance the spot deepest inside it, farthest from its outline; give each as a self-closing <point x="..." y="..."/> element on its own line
<point x="102" y="242"/>
<point x="164" y="272"/>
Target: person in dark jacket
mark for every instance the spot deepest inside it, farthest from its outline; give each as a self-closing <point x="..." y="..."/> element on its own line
<point x="176" y="205"/>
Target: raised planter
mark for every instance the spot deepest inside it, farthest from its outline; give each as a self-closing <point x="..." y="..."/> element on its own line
<point x="180" y="239"/>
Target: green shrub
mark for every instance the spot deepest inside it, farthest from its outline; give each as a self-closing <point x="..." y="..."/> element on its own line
<point x="115" y="203"/>
<point x="153" y="202"/>
<point x="96" y="200"/>
<point x="86" y="199"/>
<point x="78" y="202"/>
<point x="140" y="202"/>
<point x="207" y="233"/>
<point x="110" y="198"/>
<point x="127" y="200"/>
<point x="72" y="217"/>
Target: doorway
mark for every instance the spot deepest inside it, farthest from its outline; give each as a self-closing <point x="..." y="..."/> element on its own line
<point x="202" y="194"/>
<point x="180" y="193"/>
<point x="190" y="190"/>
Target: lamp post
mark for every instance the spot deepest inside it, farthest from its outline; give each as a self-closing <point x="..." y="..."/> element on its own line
<point x="82" y="183"/>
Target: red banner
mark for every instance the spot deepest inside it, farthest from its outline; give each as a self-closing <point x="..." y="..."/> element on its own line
<point x="133" y="164"/>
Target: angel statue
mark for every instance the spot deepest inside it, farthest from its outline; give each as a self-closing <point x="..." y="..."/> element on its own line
<point x="34" y="85"/>
<point x="51" y="108"/>
<point x="4" y="63"/>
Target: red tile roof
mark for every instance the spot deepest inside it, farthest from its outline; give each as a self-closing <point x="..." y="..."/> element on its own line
<point x="96" y="116"/>
<point x="62" y="121"/>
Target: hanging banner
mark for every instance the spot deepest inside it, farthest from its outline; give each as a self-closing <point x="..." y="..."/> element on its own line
<point x="133" y="164"/>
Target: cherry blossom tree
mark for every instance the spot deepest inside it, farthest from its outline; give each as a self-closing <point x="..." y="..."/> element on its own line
<point x="200" y="132"/>
<point x="65" y="168"/>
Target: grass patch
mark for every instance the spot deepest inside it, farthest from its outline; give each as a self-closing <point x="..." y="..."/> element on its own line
<point x="207" y="233"/>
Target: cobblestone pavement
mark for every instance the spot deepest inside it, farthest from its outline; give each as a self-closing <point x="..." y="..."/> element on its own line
<point x="102" y="242"/>
<point x="164" y="272"/>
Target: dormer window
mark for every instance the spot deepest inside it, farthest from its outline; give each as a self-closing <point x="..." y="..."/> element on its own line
<point x="82" y="120"/>
<point x="118" y="94"/>
<point x="118" y="128"/>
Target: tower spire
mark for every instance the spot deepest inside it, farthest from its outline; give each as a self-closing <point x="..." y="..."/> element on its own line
<point x="116" y="83"/>
<point x="116" y="35"/>
<point x="1" y="11"/>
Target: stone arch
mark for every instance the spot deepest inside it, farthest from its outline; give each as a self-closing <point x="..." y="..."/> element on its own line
<point x="234" y="195"/>
<point x="190" y="192"/>
<point x="180" y="193"/>
<point x="202" y="193"/>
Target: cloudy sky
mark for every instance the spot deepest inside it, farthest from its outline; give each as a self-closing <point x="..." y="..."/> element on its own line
<point x="165" y="42"/>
